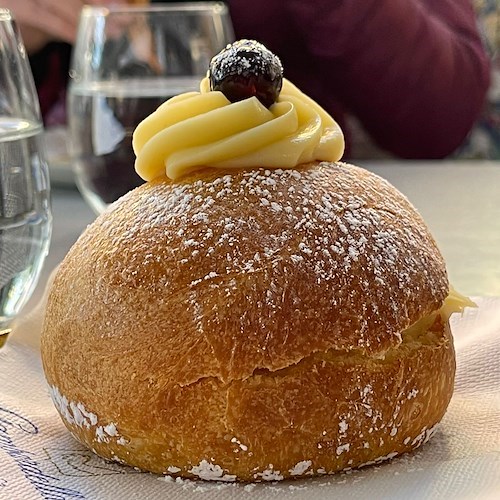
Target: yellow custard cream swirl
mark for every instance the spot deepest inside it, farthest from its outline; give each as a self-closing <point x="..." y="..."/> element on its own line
<point x="204" y="129"/>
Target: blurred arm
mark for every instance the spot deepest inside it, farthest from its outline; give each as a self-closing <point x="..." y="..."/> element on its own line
<point x="44" y="21"/>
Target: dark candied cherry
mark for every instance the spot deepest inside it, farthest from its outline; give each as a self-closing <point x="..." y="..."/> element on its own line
<point x="245" y="69"/>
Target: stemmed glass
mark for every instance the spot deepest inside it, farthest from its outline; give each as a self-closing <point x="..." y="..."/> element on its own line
<point x="25" y="218"/>
<point x="127" y="60"/>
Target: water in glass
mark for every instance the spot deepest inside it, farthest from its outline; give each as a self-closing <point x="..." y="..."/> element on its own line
<point x="24" y="213"/>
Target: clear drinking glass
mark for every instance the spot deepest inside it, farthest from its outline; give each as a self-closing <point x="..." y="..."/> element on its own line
<point x="25" y="219"/>
<point x="127" y="61"/>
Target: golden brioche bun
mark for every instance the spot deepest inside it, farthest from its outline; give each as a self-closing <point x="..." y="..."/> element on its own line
<point x="252" y="325"/>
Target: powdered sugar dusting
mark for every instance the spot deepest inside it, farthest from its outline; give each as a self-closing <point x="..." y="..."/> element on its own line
<point x="73" y="413"/>
<point x="300" y="468"/>
<point x="241" y="446"/>
<point x="344" y="448"/>
<point x="269" y="474"/>
<point x="211" y="472"/>
<point x="77" y="414"/>
<point x="424" y="436"/>
<point x="306" y="222"/>
<point x="105" y="432"/>
<point x="243" y="57"/>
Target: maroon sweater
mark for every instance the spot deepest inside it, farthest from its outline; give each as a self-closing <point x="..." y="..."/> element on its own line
<point x="414" y="72"/>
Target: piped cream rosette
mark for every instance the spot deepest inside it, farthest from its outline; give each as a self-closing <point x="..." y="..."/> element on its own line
<point x="204" y="129"/>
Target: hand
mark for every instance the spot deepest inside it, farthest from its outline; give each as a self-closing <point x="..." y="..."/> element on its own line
<point x="42" y="21"/>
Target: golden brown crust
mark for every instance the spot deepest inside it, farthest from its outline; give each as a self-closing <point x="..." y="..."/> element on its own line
<point x="206" y="321"/>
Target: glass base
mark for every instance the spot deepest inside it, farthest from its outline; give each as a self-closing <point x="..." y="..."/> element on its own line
<point x="3" y="336"/>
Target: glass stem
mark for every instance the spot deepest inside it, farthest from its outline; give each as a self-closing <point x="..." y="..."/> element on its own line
<point x="4" y="333"/>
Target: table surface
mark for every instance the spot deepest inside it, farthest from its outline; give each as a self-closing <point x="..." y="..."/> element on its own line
<point x="460" y="202"/>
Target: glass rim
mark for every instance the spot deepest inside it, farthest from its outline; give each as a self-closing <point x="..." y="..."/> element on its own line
<point x="6" y="14"/>
<point x="180" y="7"/>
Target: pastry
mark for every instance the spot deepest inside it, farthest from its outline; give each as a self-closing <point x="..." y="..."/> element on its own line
<point x="257" y="310"/>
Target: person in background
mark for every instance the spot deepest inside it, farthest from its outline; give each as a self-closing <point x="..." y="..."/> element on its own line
<point x="413" y="73"/>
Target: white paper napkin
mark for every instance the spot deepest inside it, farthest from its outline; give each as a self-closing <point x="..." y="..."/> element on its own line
<point x="39" y="459"/>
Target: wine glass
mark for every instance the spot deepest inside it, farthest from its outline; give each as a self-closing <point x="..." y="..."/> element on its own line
<point x="25" y="218"/>
<point x="127" y="60"/>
